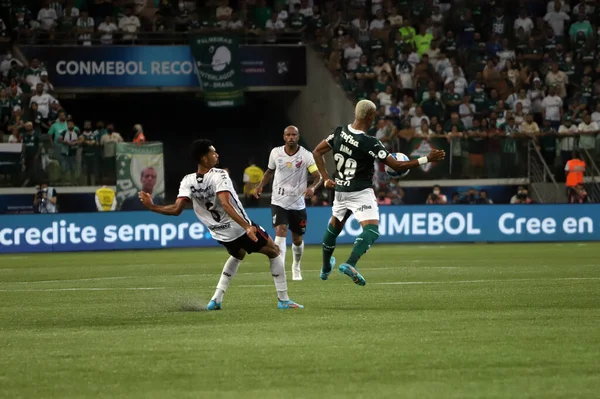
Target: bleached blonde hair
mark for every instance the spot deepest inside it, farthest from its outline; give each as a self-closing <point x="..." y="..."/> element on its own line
<point x="363" y="109"/>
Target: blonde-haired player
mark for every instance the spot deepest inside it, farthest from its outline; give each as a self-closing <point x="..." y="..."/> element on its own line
<point x="290" y="165"/>
<point x="353" y="153"/>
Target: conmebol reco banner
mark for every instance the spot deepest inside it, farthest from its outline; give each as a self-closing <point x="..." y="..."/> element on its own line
<point x="162" y="66"/>
<point x="417" y="224"/>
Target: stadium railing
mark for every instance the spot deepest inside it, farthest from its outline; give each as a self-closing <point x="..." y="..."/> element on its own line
<point x="151" y="38"/>
<point x="457" y="165"/>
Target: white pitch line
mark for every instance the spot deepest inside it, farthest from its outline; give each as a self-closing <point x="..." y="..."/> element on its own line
<point x="200" y="275"/>
<point x="88" y="289"/>
<point x="486" y="281"/>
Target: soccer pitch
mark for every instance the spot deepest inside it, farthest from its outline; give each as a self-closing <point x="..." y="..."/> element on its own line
<point x="457" y="321"/>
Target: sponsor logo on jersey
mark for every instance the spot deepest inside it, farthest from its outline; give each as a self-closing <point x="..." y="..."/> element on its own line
<point x="219" y="227"/>
<point x="349" y="139"/>
<point x="203" y="193"/>
<point x="364" y="208"/>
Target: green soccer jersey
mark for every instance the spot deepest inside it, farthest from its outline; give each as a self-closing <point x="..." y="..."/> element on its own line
<point x="354" y="153"/>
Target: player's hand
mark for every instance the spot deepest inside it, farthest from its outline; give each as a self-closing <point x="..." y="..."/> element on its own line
<point x="251" y="232"/>
<point x="329" y="183"/>
<point x="146" y="199"/>
<point x="309" y="192"/>
<point x="436" y="155"/>
<point x="257" y="192"/>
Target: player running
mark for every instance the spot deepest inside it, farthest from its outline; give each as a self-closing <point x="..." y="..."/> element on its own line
<point x="218" y="207"/>
<point x="290" y="164"/>
<point x="353" y="154"/>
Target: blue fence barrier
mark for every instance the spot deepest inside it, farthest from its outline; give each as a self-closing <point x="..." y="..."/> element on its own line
<point x="398" y="224"/>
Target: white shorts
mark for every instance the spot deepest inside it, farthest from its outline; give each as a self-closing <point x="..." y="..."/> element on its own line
<point x="363" y="204"/>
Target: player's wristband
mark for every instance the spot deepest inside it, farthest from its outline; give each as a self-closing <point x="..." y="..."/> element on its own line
<point x="423" y="160"/>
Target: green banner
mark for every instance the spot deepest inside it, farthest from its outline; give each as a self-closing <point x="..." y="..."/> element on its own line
<point x="419" y="147"/>
<point x="139" y="168"/>
<point x="218" y="64"/>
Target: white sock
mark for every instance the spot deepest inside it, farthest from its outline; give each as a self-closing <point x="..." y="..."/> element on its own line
<point x="280" y="242"/>
<point x="229" y="270"/>
<point x="278" y="273"/>
<point x="297" y="251"/>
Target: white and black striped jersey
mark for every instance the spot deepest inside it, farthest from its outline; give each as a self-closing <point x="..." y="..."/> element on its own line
<point x="290" y="177"/>
<point x="202" y="190"/>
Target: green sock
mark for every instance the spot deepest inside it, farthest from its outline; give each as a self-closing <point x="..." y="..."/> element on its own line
<point x="331" y="235"/>
<point x="363" y="242"/>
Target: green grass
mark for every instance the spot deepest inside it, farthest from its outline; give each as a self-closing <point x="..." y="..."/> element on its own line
<point x="469" y="321"/>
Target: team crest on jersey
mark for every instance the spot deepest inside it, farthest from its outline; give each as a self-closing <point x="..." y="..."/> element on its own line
<point x="288" y="165"/>
<point x="298" y="164"/>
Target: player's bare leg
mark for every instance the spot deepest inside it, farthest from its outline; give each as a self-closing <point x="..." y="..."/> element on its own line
<point x="280" y="240"/>
<point x="362" y="244"/>
<point x="333" y="230"/>
<point x="278" y="273"/>
<point x="229" y="270"/>
<point x="297" y="252"/>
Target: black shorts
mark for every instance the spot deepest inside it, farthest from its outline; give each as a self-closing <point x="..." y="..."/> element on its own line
<point x="244" y="242"/>
<point x="295" y="219"/>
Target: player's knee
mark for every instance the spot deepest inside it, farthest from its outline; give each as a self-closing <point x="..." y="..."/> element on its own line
<point x="297" y="239"/>
<point x="372" y="230"/>
<point x="281" y="231"/>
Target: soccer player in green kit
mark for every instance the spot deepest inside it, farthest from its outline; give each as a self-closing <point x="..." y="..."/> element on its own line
<point x="354" y="153"/>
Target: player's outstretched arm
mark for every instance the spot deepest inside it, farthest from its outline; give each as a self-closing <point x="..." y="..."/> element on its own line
<point x="169" y="210"/>
<point x="318" y="154"/>
<point x="400" y="166"/>
<point x="265" y="180"/>
<point x="225" y="199"/>
<point x="310" y="190"/>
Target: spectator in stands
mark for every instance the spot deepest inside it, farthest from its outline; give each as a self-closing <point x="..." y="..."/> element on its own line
<point x="15" y="136"/>
<point x="69" y="138"/>
<point x="274" y="27"/>
<point x="108" y="142"/>
<point x="17" y="120"/>
<point x="436" y="197"/>
<point x="470" y="198"/>
<point x="31" y="153"/>
<point x="129" y="25"/>
<point x="48" y="19"/>
<point x="85" y="29"/>
<point x="552" y="107"/>
<point x="252" y="177"/>
<point x="53" y="113"/>
<point x="483" y="198"/>
<point x="100" y="130"/>
<point x="47" y="85"/>
<point x="588" y="132"/>
<point x="90" y="144"/>
<point x="352" y="55"/>
<point x="107" y="30"/>
<point x="36" y="117"/>
<point x="138" y="134"/>
<point x="42" y="99"/>
<point x="224" y="13"/>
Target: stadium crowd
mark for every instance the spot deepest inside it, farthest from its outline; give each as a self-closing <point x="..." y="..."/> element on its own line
<point x="485" y="76"/>
<point x="54" y="146"/>
<point x="482" y="76"/>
